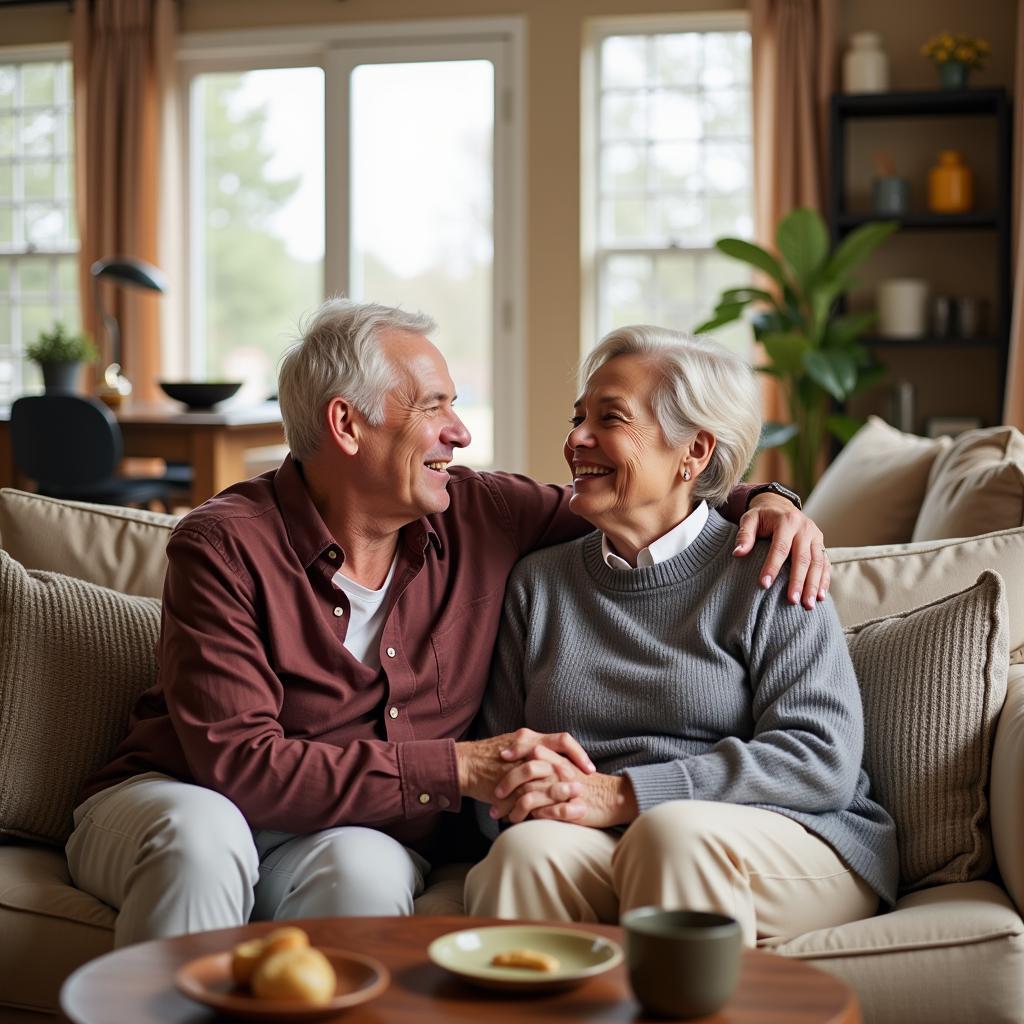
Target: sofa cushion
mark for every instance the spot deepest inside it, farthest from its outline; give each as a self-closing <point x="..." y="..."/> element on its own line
<point x="933" y="681"/>
<point x="977" y="486"/>
<point x="120" y="548"/>
<point x="872" y="492"/>
<point x="873" y="581"/>
<point x="946" y="955"/>
<point x="73" y="658"/>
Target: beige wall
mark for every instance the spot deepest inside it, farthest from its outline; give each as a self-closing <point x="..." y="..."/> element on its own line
<point x="554" y="40"/>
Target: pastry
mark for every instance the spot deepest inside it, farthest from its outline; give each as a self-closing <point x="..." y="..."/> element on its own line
<point x="298" y="975"/>
<point x="528" y="958"/>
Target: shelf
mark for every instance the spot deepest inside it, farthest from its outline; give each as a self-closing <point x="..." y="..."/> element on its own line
<point x="877" y="341"/>
<point x="973" y="221"/>
<point x="928" y="103"/>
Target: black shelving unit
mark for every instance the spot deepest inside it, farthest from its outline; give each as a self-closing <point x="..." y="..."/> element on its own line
<point x="974" y="103"/>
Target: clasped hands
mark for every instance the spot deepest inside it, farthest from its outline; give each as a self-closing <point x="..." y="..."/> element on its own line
<point x="526" y="774"/>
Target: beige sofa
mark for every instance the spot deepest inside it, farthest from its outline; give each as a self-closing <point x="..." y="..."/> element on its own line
<point x="952" y="950"/>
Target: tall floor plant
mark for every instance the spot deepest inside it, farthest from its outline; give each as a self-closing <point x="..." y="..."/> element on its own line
<point x="812" y="349"/>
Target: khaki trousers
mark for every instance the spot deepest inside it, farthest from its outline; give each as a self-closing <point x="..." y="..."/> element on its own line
<point x="762" y="868"/>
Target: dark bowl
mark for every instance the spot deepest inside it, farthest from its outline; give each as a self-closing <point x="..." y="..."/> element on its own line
<point x="200" y="394"/>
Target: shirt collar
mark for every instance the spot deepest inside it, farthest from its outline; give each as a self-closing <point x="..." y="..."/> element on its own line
<point x="665" y="547"/>
<point x="307" y="531"/>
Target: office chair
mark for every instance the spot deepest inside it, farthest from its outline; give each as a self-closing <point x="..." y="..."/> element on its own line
<point x="71" y="447"/>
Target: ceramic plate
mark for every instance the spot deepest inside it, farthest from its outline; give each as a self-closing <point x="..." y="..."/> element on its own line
<point x="208" y="980"/>
<point x="581" y="955"/>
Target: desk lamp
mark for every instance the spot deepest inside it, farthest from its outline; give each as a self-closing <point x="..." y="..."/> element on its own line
<point x="135" y="274"/>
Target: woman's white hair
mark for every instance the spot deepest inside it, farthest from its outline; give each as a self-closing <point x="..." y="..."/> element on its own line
<point x="703" y="386"/>
<point x="338" y="354"/>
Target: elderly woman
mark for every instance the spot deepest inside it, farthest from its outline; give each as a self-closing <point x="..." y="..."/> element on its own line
<point x="724" y="723"/>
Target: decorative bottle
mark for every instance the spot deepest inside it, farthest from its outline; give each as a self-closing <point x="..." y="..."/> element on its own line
<point x="950" y="184"/>
<point x="865" y="64"/>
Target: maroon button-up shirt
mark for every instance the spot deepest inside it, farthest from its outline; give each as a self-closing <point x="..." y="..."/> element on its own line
<point x="258" y="699"/>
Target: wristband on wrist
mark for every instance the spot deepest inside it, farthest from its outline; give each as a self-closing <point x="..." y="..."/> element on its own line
<point x="774" y="488"/>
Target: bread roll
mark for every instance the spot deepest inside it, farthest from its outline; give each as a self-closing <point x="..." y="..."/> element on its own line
<point x="300" y="975"/>
<point x="247" y="956"/>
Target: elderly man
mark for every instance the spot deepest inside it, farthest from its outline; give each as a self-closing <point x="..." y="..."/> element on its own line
<point x="326" y="638"/>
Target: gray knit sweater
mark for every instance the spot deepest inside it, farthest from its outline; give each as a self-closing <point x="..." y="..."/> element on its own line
<point x="697" y="684"/>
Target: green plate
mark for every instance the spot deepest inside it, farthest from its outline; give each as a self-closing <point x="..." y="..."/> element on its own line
<point x="580" y="954"/>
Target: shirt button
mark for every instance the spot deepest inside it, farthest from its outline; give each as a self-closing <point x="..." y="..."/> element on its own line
<point x="390" y="652"/>
<point x="332" y="553"/>
<point x="424" y="798"/>
<point x="338" y="612"/>
<point x="393" y="712"/>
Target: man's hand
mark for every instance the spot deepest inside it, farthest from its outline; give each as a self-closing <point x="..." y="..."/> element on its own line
<point x="793" y="535"/>
<point x="482" y="764"/>
<point x="596" y="800"/>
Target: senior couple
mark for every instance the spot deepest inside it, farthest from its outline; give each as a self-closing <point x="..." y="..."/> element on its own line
<point x="668" y="717"/>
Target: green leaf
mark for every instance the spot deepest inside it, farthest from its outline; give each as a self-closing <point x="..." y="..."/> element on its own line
<point x="747" y="252"/>
<point x="857" y="247"/>
<point x="747" y="295"/>
<point x="802" y="239"/>
<point x="723" y="314"/>
<point x="834" y="371"/>
<point x="775" y="434"/>
<point x="786" y="351"/>
<point x="843" y="427"/>
<point x="845" y="329"/>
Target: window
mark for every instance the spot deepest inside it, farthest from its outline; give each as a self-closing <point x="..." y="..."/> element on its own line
<point x="38" y="238"/>
<point x="384" y="164"/>
<point x="673" y="173"/>
<point x="257" y="219"/>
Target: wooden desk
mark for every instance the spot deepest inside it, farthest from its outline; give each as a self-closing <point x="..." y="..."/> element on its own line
<point x="213" y="442"/>
<point x="135" y="985"/>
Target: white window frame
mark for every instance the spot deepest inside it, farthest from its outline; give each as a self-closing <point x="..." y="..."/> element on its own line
<point x="595" y="32"/>
<point x="45" y="53"/>
<point x="337" y="48"/>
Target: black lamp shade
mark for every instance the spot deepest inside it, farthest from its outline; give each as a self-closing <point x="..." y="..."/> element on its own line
<point x="136" y="273"/>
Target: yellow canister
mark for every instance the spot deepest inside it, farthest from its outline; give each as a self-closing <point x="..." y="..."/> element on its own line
<point x="950" y="184"/>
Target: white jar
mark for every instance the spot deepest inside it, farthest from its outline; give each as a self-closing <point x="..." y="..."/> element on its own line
<point x="865" y="64"/>
<point x="903" y="308"/>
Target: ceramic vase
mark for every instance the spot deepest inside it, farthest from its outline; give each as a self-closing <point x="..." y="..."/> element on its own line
<point x="865" y="64"/>
<point x="60" y="376"/>
<point x="950" y="184"/>
<point x="953" y="75"/>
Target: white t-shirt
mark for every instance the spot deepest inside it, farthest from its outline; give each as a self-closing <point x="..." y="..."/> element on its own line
<point x="366" y="616"/>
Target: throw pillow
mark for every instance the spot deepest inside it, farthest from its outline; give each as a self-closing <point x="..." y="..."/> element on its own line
<point x="977" y="486"/>
<point x="73" y="658"/>
<point x="872" y="492"/>
<point x="868" y="582"/>
<point x="933" y="681"/>
<point x="121" y="548"/>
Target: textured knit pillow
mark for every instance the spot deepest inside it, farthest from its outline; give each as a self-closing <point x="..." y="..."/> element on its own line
<point x="73" y="658"/>
<point x="975" y="487"/>
<point x="933" y="681"/>
<point x="872" y="492"/>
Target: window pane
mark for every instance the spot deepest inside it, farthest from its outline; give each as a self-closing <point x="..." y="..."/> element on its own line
<point x="38" y="84"/>
<point x="258" y="215"/>
<point x="39" y="133"/>
<point x="683" y="179"/>
<point x="422" y="229"/>
<point x="34" y="279"/>
<point x="7" y="80"/>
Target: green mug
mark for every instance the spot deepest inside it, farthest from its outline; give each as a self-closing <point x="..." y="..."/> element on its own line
<point x="682" y="963"/>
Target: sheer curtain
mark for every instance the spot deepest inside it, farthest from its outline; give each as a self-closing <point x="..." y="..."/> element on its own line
<point x="122" y="51"/>
<point x="1013" y="407"/>
<point x="794" y="67"/>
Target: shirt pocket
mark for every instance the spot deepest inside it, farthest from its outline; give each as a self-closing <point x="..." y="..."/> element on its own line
<point x="462" y="647"/>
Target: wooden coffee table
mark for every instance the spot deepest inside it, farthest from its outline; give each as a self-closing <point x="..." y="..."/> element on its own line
<point x="135" y="985"/>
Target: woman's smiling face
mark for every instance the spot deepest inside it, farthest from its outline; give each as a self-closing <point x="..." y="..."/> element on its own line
<point x="623" y="470"/>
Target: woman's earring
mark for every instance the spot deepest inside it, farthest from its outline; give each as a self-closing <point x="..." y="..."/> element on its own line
<point x="686" y="473"/>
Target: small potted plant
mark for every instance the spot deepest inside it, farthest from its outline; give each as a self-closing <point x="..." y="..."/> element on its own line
<point x="956" y="56"/>
<point x="59" y="354"/>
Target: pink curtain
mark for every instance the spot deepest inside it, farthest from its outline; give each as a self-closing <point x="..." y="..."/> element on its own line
<point x="121" y="50"/>
<point x="1013" y="406"/>
<point x="794" y="70"/>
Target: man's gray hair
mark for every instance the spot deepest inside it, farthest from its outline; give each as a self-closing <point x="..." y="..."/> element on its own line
<point x="338" y="354"/>
<point x="703" y="386"/>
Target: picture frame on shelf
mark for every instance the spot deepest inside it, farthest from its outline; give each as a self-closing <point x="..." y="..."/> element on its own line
<point x="942" y="426"/>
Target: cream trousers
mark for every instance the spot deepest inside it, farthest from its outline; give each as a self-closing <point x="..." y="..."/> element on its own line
<point x="762" y="868"/>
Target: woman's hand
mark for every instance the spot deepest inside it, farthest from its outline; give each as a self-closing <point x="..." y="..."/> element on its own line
<point x="794" y="536"/>
<point x="595" y="800"/>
